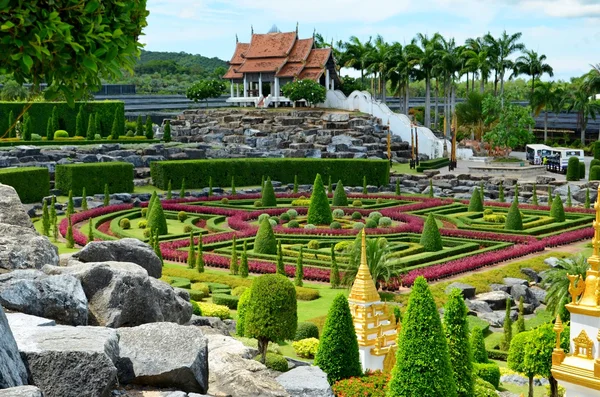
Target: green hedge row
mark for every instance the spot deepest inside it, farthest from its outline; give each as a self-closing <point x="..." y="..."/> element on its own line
<point x="118" y="176"/>
<point x="433" y="164"/>
<point x="40" y="112"/>
<point x="31" y="183"/>
<point x="226" y="300"/>
<point x="76" y="142"/>
<point x="249" y="172"/>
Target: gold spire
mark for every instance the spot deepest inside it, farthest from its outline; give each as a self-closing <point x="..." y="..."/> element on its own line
<point x="363" y="289"/>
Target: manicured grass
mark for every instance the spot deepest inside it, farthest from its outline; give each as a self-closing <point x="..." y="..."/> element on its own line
<point x="403" y="169"/>
<point x="62" y="248"/>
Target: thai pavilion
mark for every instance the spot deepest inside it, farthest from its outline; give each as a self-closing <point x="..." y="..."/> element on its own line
<point x="259" y="69"/>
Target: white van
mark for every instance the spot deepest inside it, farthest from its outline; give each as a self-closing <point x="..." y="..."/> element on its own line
<point x="559" y="158"/>
<point x="535" y="153"/>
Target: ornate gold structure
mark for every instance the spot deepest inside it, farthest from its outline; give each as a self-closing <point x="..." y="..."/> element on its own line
<point x="558" y="354"/>
<point x="583" y="345"/>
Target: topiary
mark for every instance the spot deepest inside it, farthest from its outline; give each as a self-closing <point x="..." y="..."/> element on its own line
<point x="124" y="223"/>
<point x="478" y="346"/>
<point x="182" y="216"/>
<point x="334" y="274"/>
<point x="597" y="150"/>
<point x="285" y="217"/>
<point x="241" y="312"/>
<point x="262" y="217"/>
<point x="356" y="216"/>
<point x="238" y="291"/>
<point x="275" y="218"/>
<point x="431" y="239"/>
<point x="306" y="348"/>
<point x="370" y="224"/>
<point x="293" y="224"/>
<point x="581" y="170"/>
<point x="340" y="199"/>
<point x="484" y="389"/>
<point x="335" y="225"/>
<point x="573" y="169"/>
<point x="338" y="213"/>
<point x="358" y="226"/>
<point x="268" y="198"/>
<point x="595" y="173"/>
<point x="422" y="362"/>
<point x="514" y="221"/>
<point x="490" y="372"/>
<point x="306" y="330"/>
<point x="272" y="313"/>
<point x="276" y="362"/>
<point x="156" y="218"/>
<point x="319" y="212"/>
<point x="292" y="213"/>
<point x="337" y="354"/>
<point x="61" y="134"/>
<point x="557" y="210"/>
<point x="385" y="221"/>
<point x="501" y="192"/>
<point x="357" y="203"/>
<point x="265" y="242"/>
<point x="196" y="308"/>
<point x="187" y="228"/>
<point x="224" y="200"/>
<point x="313" y="244"/>
<point x="475" y="204"/>
<point x="258" y="203"/>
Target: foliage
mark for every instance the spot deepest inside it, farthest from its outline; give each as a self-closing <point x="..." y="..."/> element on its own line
<point x="501" y="193"/>
<point x="510" y="124"/>
<point x="31" y="183"/>
<point x="242" y="308"/>
<point x="265" y="242"/>
<point x="594" y="173"/>
<point x="226" y="300"/>
<point x="339" y="196"/>
<point x="430" y="193"/>
<point x="431" y="239"/>
<point x="319" y="212"/>
<point x="268" y="194"/>
<point x="157" y="221"/>
<point x="489" y="372"/>
<point x="423" y="365"/>
<point x="557" y="283"/>
<point x="94" y="176"/>
<point x="234" y="266"/>
<point x="272" y="311"/>
<point x="514" y="221"/>
<point x="244" y="262"/>
<point x="484" y="389"/>
<point x="306" y="348"/>
<point x="338" y="353"/>
<point x="308" y="90"/>
<point x="299" y="275"/>
<point x="557" y="210"/>
<point x="507" y="335"/>
<point x="306" y="330"/>
<point x="125" y="223"/>
<point x="61" y="134"/>
<point x="521" y="318"/>
<point x="478" y="346"/>
<point x="372" y="384"/>
<point x="275" y="362"/>
<point x="167" y="132"/>
<point x="476" y="204"/>
<point x="204" y="89"/>
<point x="573" y="169"/>
<point x="334" y="275"/>
<point x="213" y="310"/>
<point x="149" y="132"/>
<point x="378" y="260"/>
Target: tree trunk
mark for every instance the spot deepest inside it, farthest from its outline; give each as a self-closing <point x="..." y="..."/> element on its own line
<point x="545" y="125"/>
<point x="262" y="349"/>
<point x="383" y="89"/>
<point x="437" y="112"/>
<point x="427" y="115"/>
<point x="553" y="386"/>
<point x="530" y="386"/>
<point x="502" y="88"/>
<point x="583" y="126"/>
<point x="482" y="84"/>
<point x="468" y="82"/>
<point x="406" y="96"/>
<point x="495" y="82"/>
<point x="362" y="78"/>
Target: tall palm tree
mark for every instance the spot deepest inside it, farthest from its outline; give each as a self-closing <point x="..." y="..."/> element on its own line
<point x="533" y="65"/>
<point x="378" y="59"/>
<point x="558" y="284"/>
<point x="543" y="98"/>
<point x="356" y="53"/>
<point x="592" y="79"/>
<point x="449" y="66"/>
<point x="579" y="100"/>
<point x="505" y="45"/>
<point x="477" y="54"/>
<point x="378" y="259"/>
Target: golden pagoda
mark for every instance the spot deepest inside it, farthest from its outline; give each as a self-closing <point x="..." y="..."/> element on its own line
<point x="579" y="371"/>
<point x="375" y="326"/>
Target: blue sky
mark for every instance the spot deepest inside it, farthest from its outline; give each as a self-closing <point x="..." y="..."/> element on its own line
<point x="566" y="31"/>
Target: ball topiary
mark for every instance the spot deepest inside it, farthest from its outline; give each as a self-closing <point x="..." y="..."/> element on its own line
<point x="357" y="203"/>
<point x="275" y="218"/>
<point x="265" y="242"/>
<point x="375" y="215"/>
<point x="335" y="225"/>
<point x="268" y="194"/>
<point x="385" y="221"/>
<point x="292" y="213"/>
<point x="313" y="244"/>
<point x="187" y="228"/>
<point x="514" y="220"/>
<point x="306" y="330"/>
<point x="276" y="362"/>
<point x="338" y="213"/>
<point x="182" y="216"/>
<point x="557" y="211"/>
<point x="285" y="217"/>
<point x="224" y="200"/>
<point x="573" y="169"/>
<point x="293" y="224"/>
<point x="272" y="222"/>
<point x="262" y="217"/>
<point x="310" y="226"/>
<point x="61" y="134"/>
<point x="339" y="196"/>
<point x="358" y="226"/>
<point x="258" y="203"/>
<point x="356" y="216"/>
<point x="431" y="239"/>
<point x="319" y="212"/>
<point x="488" y="212"/>
<point x="142" y="224"/>
<point x="124" y="223"/>
<point x="370" y="224"/>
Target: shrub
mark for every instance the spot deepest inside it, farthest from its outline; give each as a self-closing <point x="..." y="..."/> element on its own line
<point x="301" y="202"/>
<point x="514" y="221"/>
<point x="313" y="244"/>
<point x="226" y="300"/>
<point x="213" y="310"/>
<point x="61" y="134"/>
<point x="335" y="225"/>
<point x="370" y="224"/>
<point x="258" y="203"/>
<point x="557" y="211"/>
<point x="483" y="388"/>
<point x="306" y="348"/>
<point x="187" y="228"/>
<point x="375" y="215"/>
<point x="358" y="226"/>
<point x="319" y="212"/>
<point x="276" y="362"/>
<point x="182" y="216"/>
<point x="268" y="194"/>
<point x="594" y="172"/>
<point x="142" y="224"/>
<point x="339" y="196"/>
<point x="147" y="232"/>
<point x="31" y="183"/>
<point x="581" y="170"/>
<point x="489" y="372"/>
<point x="310" y="226"/>
<point x="431" y="239"/>
<point x="238" y="291"/>
<point x="118" y="176"/>
<point x="478" y="346"/>
<point x="306" y="330"/>
<point x="495" y="218"/>
<point x="308" y="90"/>
<point x="124" y="223"/>
<point x="224" y="200"/>
<point x="356" y="216"/>
<point x="36" y="137"/>
<point x="262" y="217"/>
<point x="217" y="286"/>
<point x="357" y="203"/>
<point x="385" y="221"/>
<point x="275" y="219"/>
<point x="573" y="169"/>
<point x="265" y="242"/>
<point x="338" y="213"/>
<point x="285" y="217"/>
<point x="373" y="384"/>
<point x="307" y="294"/>
<point x="342" y="245"/>
<point x="488" y="211"/>
<point x="294" y="224"/>
<point x="476" y="204"/>
<point x="242" y="308"/>
<point x="202" y="288"/>
<point x="156" y="218"/>
<point x="196" y="308"/>
<point x="144" y="212"/>
<point x="338" y="343"/>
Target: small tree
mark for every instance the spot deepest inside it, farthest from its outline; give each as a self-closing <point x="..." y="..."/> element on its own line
<point x="234" y="266"/>
<point x="310" y="91"/>
<point x="98" y="126"/>
<point x="516" y="357"/>
<point x="295" y="190"/>
<point x="501" y="193"/>
<point x="241" y="309"/>
<point x="272" y="313"/>
<point x="430" y="194"/>
<point x="265" y="242"/>
<point x="268" y="195"/>
<point x="191" y="259"/>
<point x="329" y="186"/>
<point x="69" y="237"/>
<point x="167" y="131"/>
<point x="84" y="203"/>
<point x="233" y="192"/>
<point x="334" y="274"/>
<point x="55" y="119"/>
<point x="90" y="236"/>
<point x="70" y="204"/>
<point x="210" y="186"/>
<point x="182" y="190"/>
<point x="205" y="89"/>
<point x="26" y="135"/>
<point x="45" y="219"/>
<point x="280" y="267"/>
<point x="478" y="346"/>
<point x="200" y="257"/>
<point x="457" y="336"/>
<point x="431" y="239"/>
<point x="299" y="270"/>
<point x="338" y="354"/>
<point x="156" y="218"/>
<point x="397" y="187"/>
<point x="521" y="318"/>
<point x="481" y="192"/>
<point x="11" y="122"/>
<point x="153" y="198"/>
<point x="114" y="131"/>
<point x="557" y="210"/>
<point x="422" y="362"/>
<point x="106" y="195"/>
<point x="340" y="199"/>
<point x="514" y="221"/>
<point x="507" y="335"/>
<point x="319" y="211"/>
<point x="365" y="191"/>
<point x="534" y="197"/>
<point x="53" y="218"/>
<point x="149" y="131"/>
<point x="139" y="126"/>
<point x="569" y="201"/>
<point x="91" y="130"/>
<point x="49" y="132"/>
<point x="169" y="191"/>
<point x="156" y="244"/>
<point x="79" y="127"/>
<point x="476" y="204"/>
<point x="573" y="169"/>
<point x="550" y="195"/>
<point x="244" y="262"/>
<point x="587" y="198"/>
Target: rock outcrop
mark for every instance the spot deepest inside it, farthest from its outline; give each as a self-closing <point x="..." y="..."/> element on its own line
<point x="12" y="370"/>
<point x="11" y="209"/>
<point x="306" y="382"/>
<point x="21" y="391"/>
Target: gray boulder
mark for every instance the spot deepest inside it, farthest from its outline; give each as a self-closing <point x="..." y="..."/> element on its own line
<point x="21" y="391"/>
<point x="11" y="209"/>
<point x="532" y="274"/>
<point x="60" y="298"/>
<point x="123" y="250"/>
<point x="468" y="291"/>
<point x="515" y="281"/>
<point x="495" y="319"/>
<point x="24" y="248"/>
<point x="519" y="291"/>
<point x="500" y="287"/>
<point x="165" y="355"/>
<point x="539" y="293"/>
<point x="12" y="370"/>
<point x="496" y="299"/>
<point x="552" y="261"/>
<point x="478" y="306"/>
<point x="214" y="323"/>
<point x="121" y="294"/>
<point x="19" y="320"/>
<point x="306" y="382"/>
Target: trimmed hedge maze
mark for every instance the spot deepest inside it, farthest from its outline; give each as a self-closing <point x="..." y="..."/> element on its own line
<point x="470" y="240"/>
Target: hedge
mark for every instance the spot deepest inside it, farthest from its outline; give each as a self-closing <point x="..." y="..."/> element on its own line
<point x="249" y="172"/>
<point x="40" y="112"/>
<point x="226" y="300"/>
<point x="433" y="164"/>
<point x="488" y="372"/>
<point x="31" y="183"/>
<point x="118" y="176"/>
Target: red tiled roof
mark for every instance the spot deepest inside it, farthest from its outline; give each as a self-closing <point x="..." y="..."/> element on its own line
<point x="318" y="58"/>
<point x="291" y="69"/>
<point x="301" y="50"/>
<point x="271" y="45"/>
<point x="261" y="65"/>
<point x="237" y="58"/>
<point x="311" y="74"/>
<point x="231" y="74"/>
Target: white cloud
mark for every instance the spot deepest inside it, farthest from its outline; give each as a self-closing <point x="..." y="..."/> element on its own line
<point x="563" y="8"/>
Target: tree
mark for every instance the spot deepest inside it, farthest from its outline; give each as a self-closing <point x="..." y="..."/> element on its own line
<point x="169" y="191"/>
<point x="55" y="121"/>
<point x="191" y="259"/>
<point x="521" y="318"/>
<point x="149" y="131"/>
<point x="337" y="354"/>
<point x="507" y="335"/>
<point x="430" y="194"/>
<point x="356" y="53"/>
<point x="299" y="270"/>
<point x="91" y="130"/>
<point x="569" y="200"/>
<point x="11" y="122"/>
<point x="233" y="192"/>
<point x="49" y="132"/>
<point x="397" y="187"/>
<point x="310" y="91"/>
<point x="470" y="114"/>
<point x="70" y="204"/>
<point x="167" y="131"/>
<point x="98" y="126"/>
<point x="557" y="211"/>
<point x="272" y="313"/>
<point x="501" y="193"/>
<point x="533" y="65"/>
<point x="457" y="336"/>
<point x="557" y="283"/>
<point x="379" y="62"/>
<point x="114" y="131"/>
<point x="378" y="260"/>
<point x="365" y="191"/>
<point x="45" y="219"/>
<point x="510" y="125"/>
<point x="280" y="267"/>
<point x="534" y="197"/>
<point x="334" y="274"/>
<point x="265" y="242"/>
<point x="210" y="186"/>
<point x="234" y="266"/>
<point x="478" y="346"/>
<point x="79" y="127"/>
<point x="295" y="189"/>
<point x="339" y="196"/>
<point x="244" y="262"/>
<point x="199" y="256"/>
<point x="106" y="195"/>
<point x="587" y="198"/>
<point x="268" y="198"/>
<point x="71" y="46"/>
<point x="547" y="96"/>
<point x="139" y="126"/>
<point x="503" y="48"/>
<point x="90" y="236"/>
<point x="573" y="169"/>
<point x="157" y="221"/>
<point x="550" y="199"/>
<point x="204" y="89"/>
<point x="153" y="198"/>
<point x="69" y="237"/>
<point x="431" y="239"/>
<point x="329" y="186"/>
<point x="422" y="362"/>
<point x="476" y="204"/>
<point x="26" y="127"/>
<point x="242" y="308"/>
<point x="319" y="211"/>
<point x="579" y="101"/>
<point x="182" y="189"/>
<point x="514" y="221"/>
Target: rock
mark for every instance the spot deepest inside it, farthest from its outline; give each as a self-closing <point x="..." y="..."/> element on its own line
<point x="60" y="297"/>
<point x="500" y="287"/>
<point x="18" y="320"/>
<point x="21" y="391"/>
<point x="306" y="382"/>
<point x="468" y="291"/>
<point x="515" y="281"/>
<point x="213" y="322"/>
<point x="165" y="355"/>
<point x="123" y="250"/>
<point x="66" y="361"/>
<point x="24" y="248"/>
<point x="336" y="117"/>
<point x="552" y="261"/>
<point x="539" y="293"/>
<point x="12" y="211"/>
<point x="515" y="379"/>
<point x="495" y="319"/>
<point x="532" y="274"/>
<point x="496" y="299"/>
<point x="519" y="291"/>
<point x="478" y="306"/>
<point x="12" y="369"/>
<point x="234" y="372"/>
<point x="121" y="294"/>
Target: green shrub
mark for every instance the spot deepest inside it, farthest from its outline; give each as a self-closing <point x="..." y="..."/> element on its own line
<point x="313" y="244"/>
<point x="31" y="183"/>
<point x="285" y="217"/>
<point x="489" y="372"/>
<point x="573" y="169"/>
<point x="433" y="164"/>
<point x="431" y="239"/>
<point x="476" y="204"/>
<point x="213" y="310"/>
<point x="514" y="220"/>
<point x="335" y="225"/>
<point x="594" y="172"/>
<point x="265" y="242"/>
<point x="370" y="224"/>
<point x="456" y="328"/>
<point x="338" y="213"/>
<point x="293" y="224"/>
<point x="202" y="288"/>
<point x="196" y="295"/>
<point x="268" y="198"/>
<point x="238" y="291"/>
<point x="212" y="287"/>
<point x="478" y="346"/>
<point x="182" y="216"/>
<point x="581" y="170"/>
<point x="488" y="211"/>
<point x="357" y="203"/>
<point x="373" y="384"/>
<point x="187" y="228"/>
<point x="147" y="232"/>
<point x="258" y="203"/>
<point x="226" y="300"/>
<point x="275" y="219"/>
<point x="196" y="308"/>
<point x="375" y="215"/>
<point x="36" y="137"/>
<point x="242" y="308"/>
<point x="342" y="245"/>
<point x="292" y="213"/>
<point x="306" y="348"/>
<point x="557" y="211"/>
<point x="356" y="216"/>
<point x="358" y="226"/>
<point x="307" y="294"/>
<point x="224" y="200"/>
<point x="276" y="362"/>
<point x="61" y="134"/>
<point x="125" y="223"/>
<point x="319" y="212"/>
<point x="340" y="199"/>
<point x="142" y="224"/>
<point x="596" y="150"/>
<point x="156" y="218"/>
<point x="484" y="389"/>
<point x="94" y="176"/>
<point x="385" y="221"/>
<point x="310" y="226"/>
<point x="262" y="217"/>
<point x="306" y="330"/>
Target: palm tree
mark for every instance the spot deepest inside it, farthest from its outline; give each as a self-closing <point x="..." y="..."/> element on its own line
<point x="592" y="79"/>
<point x="579" y="100"/>
<point x="470" y="113"/>
<point x="504" y="47"/>
<point x="378" y="252"/>
<point x="356" y="53"/>
<point x="477" y="54"/>
<point x="558" y="283"/>
<point x="533" y="65"/>
<point x="378" y="59"/>
<point x="449" y="66"/>
<point x="543" y="98"/>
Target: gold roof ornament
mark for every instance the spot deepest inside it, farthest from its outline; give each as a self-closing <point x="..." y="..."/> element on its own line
<point x="363" y="289"/>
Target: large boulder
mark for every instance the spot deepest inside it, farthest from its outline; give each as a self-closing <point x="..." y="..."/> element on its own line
<point x="468" y="291"/>
<point x="11" y="209"/>
<point x="121" y="294"/>
<point x="123" y="250"/>
<point x="66" y="361"/>
<point x="210" y="324"/>
<point x="60" y="297"/>
<point x="23" y="248"/>
<point x="12" y="370"/>
<point x="539" y="293"/>
<point x="306" y="382"/>
<point x="164" y="355"/>
<point x="478" y="306"/>
<point x="21" y="391"/>
<point x="520" y="291"/>
<point x="515" y="281"/>
<point x="496" y="299"/>
<point x="233" y="372"/>
<point x="532" y="274"/>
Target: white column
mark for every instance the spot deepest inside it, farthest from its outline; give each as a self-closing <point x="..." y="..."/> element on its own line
<point x="237" y="90"/>
<point x="245" y="87"/>
<point x="327" y="86"/>
<point x="332" y="84"/>
<point x="276" y="90"/>
<point x="231" y="87"/>
<point x="260" y="84"/>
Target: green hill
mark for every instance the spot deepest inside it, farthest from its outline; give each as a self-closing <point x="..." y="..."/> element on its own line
<point x="177" y="63"/>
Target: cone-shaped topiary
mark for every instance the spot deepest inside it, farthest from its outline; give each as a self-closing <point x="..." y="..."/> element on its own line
<point x="182" y="190"/>
<point x="422" y="362"/>
<point x="481" y="192"/>
<point x="114" y="131"/>
<point x="516" y="195"/>
<point x="339" y="196"/>
<point x="334" y="274"/>
<point x="478" y="346"/>
<point x="149" y="130"/>
<point x="268" y="195"/>
<point x="199" y="256"/>
<point x="557" y="211"/>
<point x="27" y="128"/>
<point x="156" y="218"/>
<point x="169" y="191"/>
<point x="90" y="236"/>
<point x="521" y="318"/>
<point x="534" y="198"/>
<point x="587" y="199"/>
<point x="69" y="237"/>
<point x="153" y="198"/>
<point x="514" y="221"/>
<point x="55" y="120"/>
<point x="45" y="219"/>
<point x="244" y="262"/>
<point x="191" y="260"/>
<point x="507" y="335"/>
<point x="550" y="198"/>
<point x="431" y="195"/>
<point x="210" y="186"/>
<point x="98" y="125"/>
<point x="459" y="348"/>
<point x="295" y="190"/>
<point x="84" y="203"/>
<point x="337" y="354"/>
<point x="233" y="192"/>
<point x="11" y="122"/>
<point x="329" y="186"/>
<point x="501" y="193"/>
<point x="167" y="132"/>
<point x="265" y="242"/>
<point x="49" y="132"/>
<point x="319" y="211"/>
<point x="365" y="191"/>
<point x="106" y="195"/>
<point x="299" y="271"/>
<point x="280" y="267"/>
<point x="397" y="186"/>
<point x="475" y="204"/>
<point x="431" y="239"/>
<point x="234" y="266"/>
<point x="91" y="130"/>
<point x="139" y="126"/>
<point x="569" y="201"/>
<point x="573" y="169"/>
<point x="70" y="204"/>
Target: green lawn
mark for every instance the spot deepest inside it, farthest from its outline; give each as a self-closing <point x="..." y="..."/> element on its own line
<point x="400" y="168"/>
